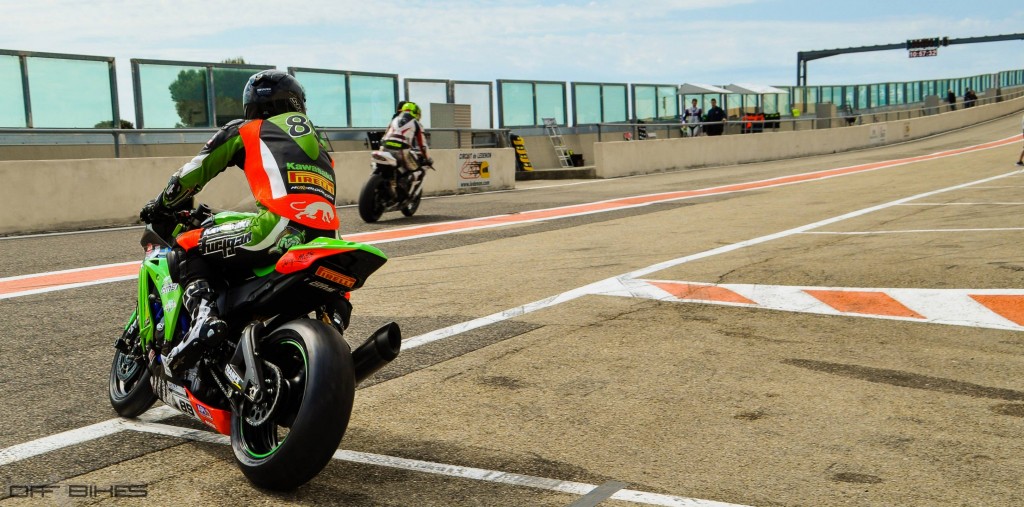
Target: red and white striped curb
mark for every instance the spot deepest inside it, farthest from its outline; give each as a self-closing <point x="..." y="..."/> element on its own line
<point x="988" y="308"/>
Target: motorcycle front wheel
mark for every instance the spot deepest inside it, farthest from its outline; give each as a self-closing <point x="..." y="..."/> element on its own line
<point x="130" y="392"/>
<point x="372" y="200"/>
<point x="311" y="412"/>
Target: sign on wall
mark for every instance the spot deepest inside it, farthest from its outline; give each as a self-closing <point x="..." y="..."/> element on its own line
<point x="475" y="169"/>
<point x="522" y="159"/>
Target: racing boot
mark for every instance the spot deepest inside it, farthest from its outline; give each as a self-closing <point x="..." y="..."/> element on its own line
<point x="207" y="328"/>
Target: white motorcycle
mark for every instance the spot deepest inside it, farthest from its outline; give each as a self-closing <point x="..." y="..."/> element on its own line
<point x="391" y="187"/>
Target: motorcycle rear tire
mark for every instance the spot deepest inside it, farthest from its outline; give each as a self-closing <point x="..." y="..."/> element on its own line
<point x="371" y="199"/>
<point x="317" y="416"/>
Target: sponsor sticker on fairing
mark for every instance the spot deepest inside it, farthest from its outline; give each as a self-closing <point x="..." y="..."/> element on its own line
<point x="336" y="277"/>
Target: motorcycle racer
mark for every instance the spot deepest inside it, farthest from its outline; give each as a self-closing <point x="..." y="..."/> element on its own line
<point x="405" y="134"/>
<point x="291" y="175"/>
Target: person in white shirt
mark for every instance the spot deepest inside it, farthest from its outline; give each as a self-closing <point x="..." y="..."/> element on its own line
<point x="693" y="115"/>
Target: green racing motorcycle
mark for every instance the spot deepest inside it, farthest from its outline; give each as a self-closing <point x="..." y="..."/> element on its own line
<point x="283" y="383"/>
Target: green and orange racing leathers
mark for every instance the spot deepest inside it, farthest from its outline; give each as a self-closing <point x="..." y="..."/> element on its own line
<point x="291" y="175"/>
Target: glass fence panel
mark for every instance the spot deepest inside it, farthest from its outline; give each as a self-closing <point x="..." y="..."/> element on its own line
<point x="517" y="105"/>
<point x="849" y="96"/>
<point x="785" y="106"/>
<point x="587" y="107"/>
<point x="668" y="103"/>
<point x="812" y="94"/>
<point x="69" y="93"/>
<point x="896" y="94"/>
<point x="796" y="98"/>
<point x="645" y="102"/>
<point x="423" y="93"/>
<point x="551" y="102"/>
<point x="613" y="98"/>
<point x="12" y="94"/>
<point x="478" y="96"/>
<point x="326" y="97"/>
<point x="372" y="100"/>
<point x="928" y="88"/>
<point x="172" y="96"/>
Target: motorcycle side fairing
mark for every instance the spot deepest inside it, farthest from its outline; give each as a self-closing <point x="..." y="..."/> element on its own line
<point x="157" y="316"/>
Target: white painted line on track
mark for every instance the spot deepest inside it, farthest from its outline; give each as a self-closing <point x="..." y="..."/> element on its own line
<point x="67" y="233"/>
<point x="68" y="286"/>
<point x="909" y="231"/>
<point x="76" y="436"/>
<point x="73" y="270"/>
<point x="613" y="283"/>
<point x="599" y="494"/>
<point x="962" y="204"/>
<point x="429" y="467"/>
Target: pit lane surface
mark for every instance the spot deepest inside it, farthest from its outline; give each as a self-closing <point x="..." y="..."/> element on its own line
<point x="852" y="340"/>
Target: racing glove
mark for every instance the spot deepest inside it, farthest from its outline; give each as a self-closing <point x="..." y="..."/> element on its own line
<point x="155" y="211"/>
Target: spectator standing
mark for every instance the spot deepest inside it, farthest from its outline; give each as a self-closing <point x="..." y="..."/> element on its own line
<point x="693" y="116"/>
<point x="716" y="119"/>
<point x="951" y="98"/>
<point x="969" y="98"/>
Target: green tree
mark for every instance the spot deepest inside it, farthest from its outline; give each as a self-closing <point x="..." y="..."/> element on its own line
<point x="189" y="93"/>
<point x="125" y="124"/>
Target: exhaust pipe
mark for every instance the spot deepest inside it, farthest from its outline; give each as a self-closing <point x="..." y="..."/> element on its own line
<point x="379" y="349"/>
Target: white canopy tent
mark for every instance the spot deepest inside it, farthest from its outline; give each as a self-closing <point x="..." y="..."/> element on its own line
<point x="701" y="89"/>
<point x="754" y="89"/>
<point x="765" y="98"/>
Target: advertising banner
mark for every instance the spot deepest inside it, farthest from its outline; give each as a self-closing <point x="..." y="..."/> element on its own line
<point x="474" y="169"/>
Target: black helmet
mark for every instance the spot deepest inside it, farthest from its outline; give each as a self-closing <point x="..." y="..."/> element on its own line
<point x="270" y="93"/>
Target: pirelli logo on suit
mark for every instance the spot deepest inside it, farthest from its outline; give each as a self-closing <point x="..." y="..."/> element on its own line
<point x="310" y="178"/>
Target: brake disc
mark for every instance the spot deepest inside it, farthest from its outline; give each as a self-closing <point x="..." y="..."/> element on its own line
<point x="258" y="413"/>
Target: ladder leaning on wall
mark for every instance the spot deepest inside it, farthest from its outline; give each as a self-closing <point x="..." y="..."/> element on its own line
<point x="561" y="151"/>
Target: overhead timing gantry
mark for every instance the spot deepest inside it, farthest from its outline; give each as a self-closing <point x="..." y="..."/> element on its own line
<point x="915" y="47"/>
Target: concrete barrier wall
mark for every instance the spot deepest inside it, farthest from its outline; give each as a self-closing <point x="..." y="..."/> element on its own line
<point x="49" y="195"/>
<point x="42" y="195"/>
<point x="624" y="158"/>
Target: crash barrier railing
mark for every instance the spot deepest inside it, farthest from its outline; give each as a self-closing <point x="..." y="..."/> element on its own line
<point x="340" y="139"/>
<point x="756" y="123"/>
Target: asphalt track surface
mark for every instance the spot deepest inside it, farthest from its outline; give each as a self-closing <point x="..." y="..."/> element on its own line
<point x="838" y="330"/>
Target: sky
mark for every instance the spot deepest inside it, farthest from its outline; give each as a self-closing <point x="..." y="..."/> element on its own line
<point x="606" y="41"/>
